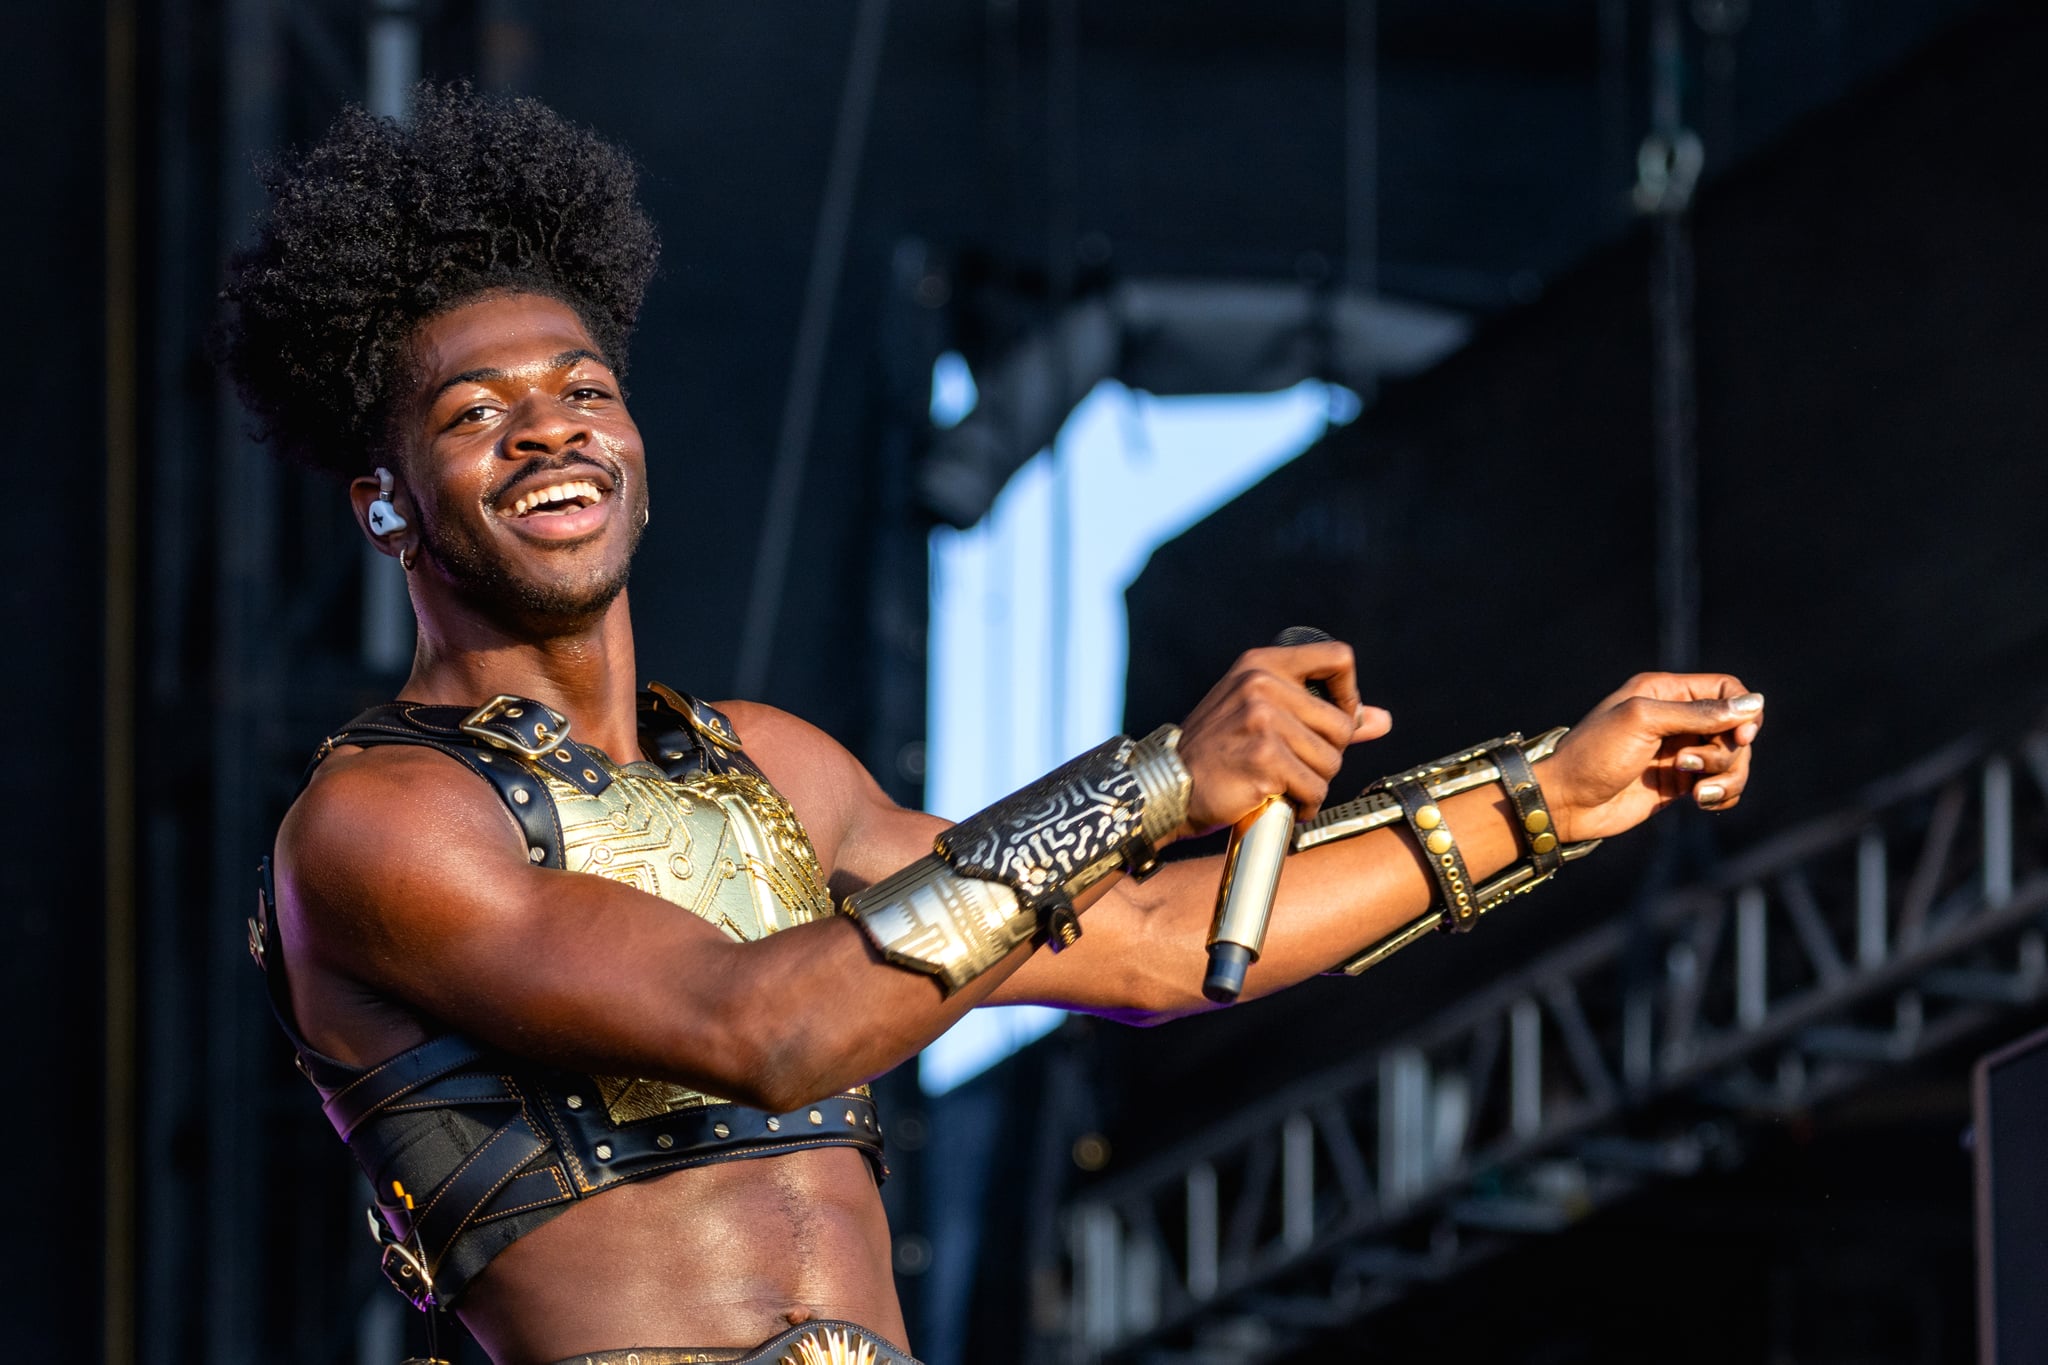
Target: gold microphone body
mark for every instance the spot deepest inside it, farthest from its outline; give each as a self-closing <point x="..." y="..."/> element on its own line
<point x="1244" y="902"/>
<point x="1251" y="873"/>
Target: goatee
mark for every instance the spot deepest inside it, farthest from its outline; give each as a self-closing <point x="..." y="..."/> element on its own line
<point x="542" y="607"/>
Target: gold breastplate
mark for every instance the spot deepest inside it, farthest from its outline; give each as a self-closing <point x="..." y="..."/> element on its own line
<point x="724" y="846"/>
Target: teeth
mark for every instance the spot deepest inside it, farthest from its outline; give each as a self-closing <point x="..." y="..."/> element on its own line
<point x="561" y="492"/>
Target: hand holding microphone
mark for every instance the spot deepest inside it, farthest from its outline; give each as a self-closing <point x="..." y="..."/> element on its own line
<point x="1251" y="869"/>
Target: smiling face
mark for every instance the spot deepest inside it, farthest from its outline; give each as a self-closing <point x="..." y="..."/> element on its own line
<point x="525" y="469"/>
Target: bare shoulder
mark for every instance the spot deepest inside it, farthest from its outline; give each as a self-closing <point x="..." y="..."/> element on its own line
<point x="858" y="831"/>
<point x="773" y="736"/>
<point x="347" y="844"/>
<point x="392" y="787"/>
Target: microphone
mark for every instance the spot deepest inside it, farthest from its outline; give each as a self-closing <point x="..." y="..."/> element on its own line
<point x="1251" y="872"/>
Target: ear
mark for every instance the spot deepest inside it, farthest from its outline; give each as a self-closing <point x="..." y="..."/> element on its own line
<point x="362" y="491"/>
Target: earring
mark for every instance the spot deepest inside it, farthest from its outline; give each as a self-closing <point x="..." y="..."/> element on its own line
<point x="407" y="556"/>
<point x="384" y="518"/>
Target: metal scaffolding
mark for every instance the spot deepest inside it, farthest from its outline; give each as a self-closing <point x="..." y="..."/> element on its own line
<point x="1902" y="924"/>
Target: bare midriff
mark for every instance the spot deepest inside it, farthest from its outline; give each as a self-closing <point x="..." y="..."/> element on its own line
<point x="724" y="1255"/>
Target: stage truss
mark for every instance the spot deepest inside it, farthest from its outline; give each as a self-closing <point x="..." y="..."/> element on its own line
<point x="1812" y="965"/>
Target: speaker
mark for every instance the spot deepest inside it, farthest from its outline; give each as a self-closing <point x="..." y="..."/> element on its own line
<point x="2009" y="1099"/>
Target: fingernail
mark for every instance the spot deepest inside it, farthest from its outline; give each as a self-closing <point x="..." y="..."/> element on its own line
<point x="1691" y="763"/>
<point x="1711" y="794"/>
<point x="1747" y="704"/>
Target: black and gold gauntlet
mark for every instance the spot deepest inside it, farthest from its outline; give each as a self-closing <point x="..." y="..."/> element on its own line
<point x="1413" y="796"/>
<point x="1010" y="873"/>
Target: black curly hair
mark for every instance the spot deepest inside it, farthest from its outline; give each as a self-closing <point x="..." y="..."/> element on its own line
<point x="383" y="225"/>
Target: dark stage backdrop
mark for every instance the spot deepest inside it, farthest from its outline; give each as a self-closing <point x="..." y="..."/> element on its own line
<point x="1872" y="311"/>
<point x="1865" y="326"/>
<point x="53" y="888"/>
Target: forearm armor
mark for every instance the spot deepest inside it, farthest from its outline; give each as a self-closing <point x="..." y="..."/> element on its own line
<point x="1010" y="873"/>
<point x="1467" y="770"/>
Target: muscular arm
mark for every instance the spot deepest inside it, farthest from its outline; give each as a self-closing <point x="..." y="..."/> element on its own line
<point x="402" y="879"/>
<point x="1658" y="739"/>
<point x="406" y="897"/>
<point x="1141" y="954"/>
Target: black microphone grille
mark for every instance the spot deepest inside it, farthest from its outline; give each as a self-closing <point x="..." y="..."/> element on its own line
<point x="1306" y="635"/>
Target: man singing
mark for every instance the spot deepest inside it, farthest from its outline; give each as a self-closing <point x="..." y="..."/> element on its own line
<point x="590" y="977"/>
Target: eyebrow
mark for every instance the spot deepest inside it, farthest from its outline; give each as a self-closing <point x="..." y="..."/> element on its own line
<point x="488" y="374"/>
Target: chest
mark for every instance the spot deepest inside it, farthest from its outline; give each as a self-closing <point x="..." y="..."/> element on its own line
<point x="724" y="846"/>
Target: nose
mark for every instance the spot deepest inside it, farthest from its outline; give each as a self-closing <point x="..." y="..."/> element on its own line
<point x="544" y="425"/>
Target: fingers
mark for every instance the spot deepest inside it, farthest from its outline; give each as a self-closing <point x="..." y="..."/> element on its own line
<point x="1332" y="664"/>
<point x="1746" y="733"/>
<point x="1720" y="711"/>
<point x="1271" y="700"/>
<point x="1651" y="715"/>
<point x="1680" y="687"/>
<point x="1260" y="732"/>
<point x="1329" y="662"/>
<point x="1371" y="722"/>
<point x="1705" y="758"/>
<point x="1306" y="785"/>
<point x="1717" y="774"/>
<point x="1723" y="791"/>
<point x="1262" y="752"/>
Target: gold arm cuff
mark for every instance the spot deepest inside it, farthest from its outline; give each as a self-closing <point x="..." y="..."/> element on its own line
<point x="931" y="919"/>
<point x="1495" y="892"/>
<point x="994" y="882"/>
<point x="1467" y="770"/>
<point x="1464" y="771"/>
<point x="1163" y="778"/>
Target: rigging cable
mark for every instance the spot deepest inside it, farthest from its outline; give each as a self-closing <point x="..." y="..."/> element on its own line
<point x="807" y="366"/>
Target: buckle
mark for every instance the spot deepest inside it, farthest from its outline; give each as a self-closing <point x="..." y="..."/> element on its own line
<point x="702" y="719"/>
<point x="259" y="922"/>
<point x="506" y="707"/>
<point x="405" y="1267"/>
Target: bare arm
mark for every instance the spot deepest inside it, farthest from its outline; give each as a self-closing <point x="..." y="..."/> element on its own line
<point x="402" y="879"/>
<point x="1659" y="739"/>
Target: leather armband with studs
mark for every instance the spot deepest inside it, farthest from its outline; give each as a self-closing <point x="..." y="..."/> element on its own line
<point x="1440" y="851"/>
<point x="1414" y="796"/>
<point x="1009" y="874"/>
<point x="1532" y="813"/>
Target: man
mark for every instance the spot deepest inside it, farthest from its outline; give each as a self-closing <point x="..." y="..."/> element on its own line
<point x="597" y="1122"/>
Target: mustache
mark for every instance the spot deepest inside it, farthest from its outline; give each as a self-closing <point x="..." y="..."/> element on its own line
<point x="542" y="465"/>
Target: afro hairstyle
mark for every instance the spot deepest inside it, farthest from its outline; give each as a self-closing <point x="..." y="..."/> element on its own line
<point x="383" y="225"/>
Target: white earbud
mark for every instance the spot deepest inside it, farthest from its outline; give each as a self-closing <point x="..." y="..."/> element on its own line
<point x="384" y="518"/>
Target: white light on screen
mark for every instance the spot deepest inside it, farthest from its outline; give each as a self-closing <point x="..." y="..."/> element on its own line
<point x="1133" y="471"/>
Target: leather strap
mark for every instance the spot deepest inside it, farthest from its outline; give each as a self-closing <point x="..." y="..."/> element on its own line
<point x="823" y="1339"/>
<point x="465" y="1195"/>
<point x="1532" y="813"/>
<point x="1440" y="851"/>
<point x="393" y="1080"/>
<point x="497" y="742"/>
<point x="719" y="1132"/>
<point x="527" y="1157"/>
<point x="683" y="735"/>
<point x="508" y="723"/>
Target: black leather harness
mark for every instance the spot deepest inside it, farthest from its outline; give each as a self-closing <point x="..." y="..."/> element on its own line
<point x="468" y="1149"/>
